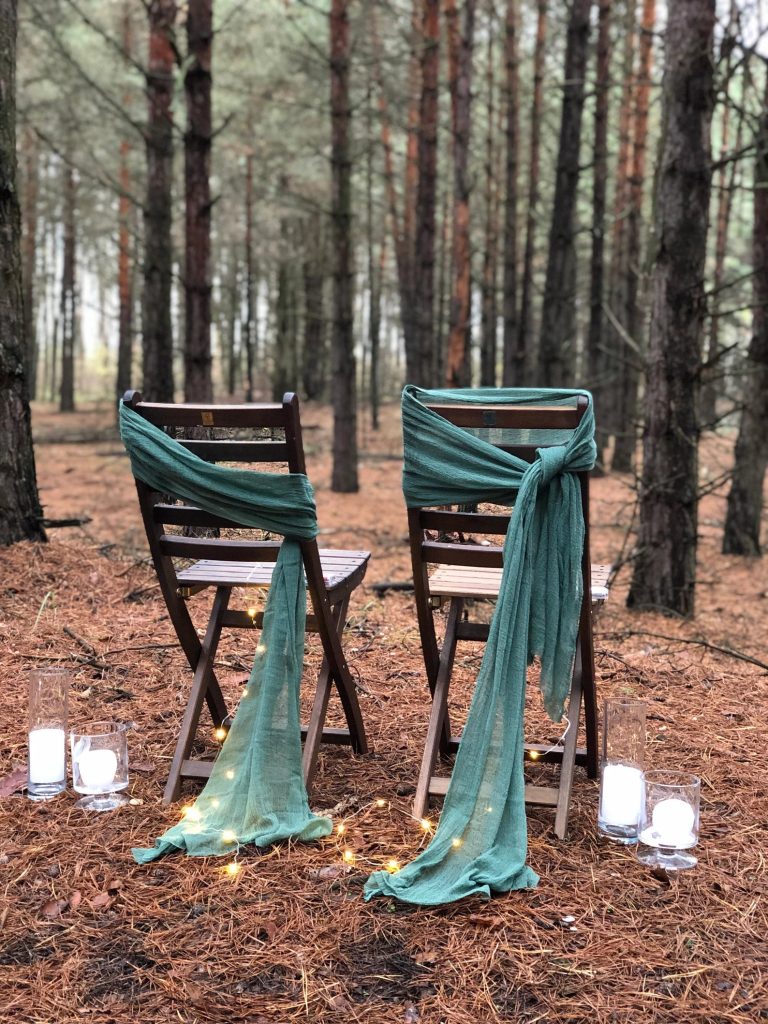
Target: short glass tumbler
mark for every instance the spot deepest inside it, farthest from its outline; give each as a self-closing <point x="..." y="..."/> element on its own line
<point x="669" y="829"/>
<point x="47" y="762"/>
<point x="100" y="765"/>
<point x="621" y="773"/>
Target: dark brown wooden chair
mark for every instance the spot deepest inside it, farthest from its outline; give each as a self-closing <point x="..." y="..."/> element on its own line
<point x="241" y="559"/>
<point x="457" y="560"/>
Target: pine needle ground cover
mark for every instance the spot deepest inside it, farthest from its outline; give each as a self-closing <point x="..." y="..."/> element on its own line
<point x="284" y="934"/>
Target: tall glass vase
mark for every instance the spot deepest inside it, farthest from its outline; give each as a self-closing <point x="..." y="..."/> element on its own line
<point x="621" y="774"/>
<point x="47" y="771"/>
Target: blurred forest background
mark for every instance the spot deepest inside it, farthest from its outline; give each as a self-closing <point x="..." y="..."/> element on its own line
<point x="232" y="200"/>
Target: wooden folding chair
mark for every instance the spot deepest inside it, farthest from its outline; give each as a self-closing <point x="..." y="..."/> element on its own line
<point x="451" y="566"/>
<point x="242" y="560"/>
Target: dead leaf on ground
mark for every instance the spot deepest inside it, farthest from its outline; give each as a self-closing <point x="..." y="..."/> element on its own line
<point x="75" y="899"/>
<point x="142" y="767"/>
<point x="54" y="908"/>
<point x="101" y="902"/>
<point x="14" y="782"/>
<point x="329" y="872"/>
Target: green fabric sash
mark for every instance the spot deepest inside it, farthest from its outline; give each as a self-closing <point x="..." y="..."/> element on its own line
<point x="256" y="791"/>
<point x="480" y="845"/>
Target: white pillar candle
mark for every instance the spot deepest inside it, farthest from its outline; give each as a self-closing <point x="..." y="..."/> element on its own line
<point x="97" y="768"/>
<point x="672" y="824"/>
<point x="621" y="795"/>
<point x="47" y="762"/>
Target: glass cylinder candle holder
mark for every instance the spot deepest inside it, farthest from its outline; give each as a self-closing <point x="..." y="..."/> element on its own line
<point x="100" y="765"/>
<point x="47" y="762"/>
<point x="621" y="773"/>
<point x="669" y="828"/>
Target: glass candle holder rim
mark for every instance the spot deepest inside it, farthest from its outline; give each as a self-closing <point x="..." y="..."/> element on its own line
<point x="50" y="670"/>
<point x="671" y="778"/>
<point x="626" y="701"/>
<point x="102" y="727"/>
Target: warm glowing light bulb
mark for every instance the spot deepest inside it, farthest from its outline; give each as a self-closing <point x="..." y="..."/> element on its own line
<point x="381" y="802"/>
<point x="426" y="824"/>
<point x="215" y="802"/>
<point x="190" y="813"/>
<point x="252" y="613"/>
<point x="489" y="810"/>
<point x="348" y="857"/>
<point x="230" y="774"/>
<point x="534" y="755"/>
<point x="245" y="692"/>
<point x="228" y="836"/>
<point x="220" y="734"/>
<point x="456" y="843"/>
<point x="233" y="868"/>
<point x="341" y="828"/>
<point x="392" y="866"/>
<point x="260" y="648"/>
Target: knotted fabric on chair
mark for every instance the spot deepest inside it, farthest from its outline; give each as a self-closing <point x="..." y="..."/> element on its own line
<point x="480" y="845"/>
<point x="256" y="792"/>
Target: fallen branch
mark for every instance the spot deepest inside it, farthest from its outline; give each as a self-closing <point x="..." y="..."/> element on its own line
<point x="625" y="634"/>
<point x="380" y="589"/>
<point x="53" y="524"/>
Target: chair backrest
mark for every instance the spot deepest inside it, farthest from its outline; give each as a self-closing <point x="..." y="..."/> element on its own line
<point x="274" y="438"/>
<point x="520" y="430"/>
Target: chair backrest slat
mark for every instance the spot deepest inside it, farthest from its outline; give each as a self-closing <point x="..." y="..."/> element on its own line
<point x="463" y="522"/>
<point x="166" y="414"/>
<point x="238" y="451"/>
<point x="189" y="515"/>
<point x="216" y="548"/>
<point x="530" y="417"/>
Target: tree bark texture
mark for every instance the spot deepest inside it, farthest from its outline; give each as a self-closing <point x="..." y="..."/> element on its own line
<point x="248" y="333"/>
<point x="198" y="386"/>
<point x="595" y="362"/>
<point x="315" y="351"/>
<point x="28" y="258"/>
<point x="157" y="335"/>
<point x="458" y="371"/>
<point x="419" y="361"/>
<point x="525" y="319"/>
<point x="513" y="366"/>
<point x="631" y="347"/>
<point x="665" y="563"/>
<point x="557" y="347"/>
<point x="489" y="300"/>
<point x="67" y="309"/>
<point x="343" y="383"/>
<point x="745" y="500"/>
<point x="20" y="512"/>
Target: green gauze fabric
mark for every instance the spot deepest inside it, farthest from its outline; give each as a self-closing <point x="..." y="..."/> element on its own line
<point x="480" y="845"/>
<point x="256" y="791"/>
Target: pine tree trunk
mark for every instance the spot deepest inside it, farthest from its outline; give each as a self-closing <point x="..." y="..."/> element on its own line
<point x="343" y="383"/>
<point x="595" y="361"/>
<point x="745" y="500"/>
<point x="374" y="278"/>
<point x="665" y="564"/>
<point x="489" y="303"/>
<point x="157" y="336"/>
<point x="315" y="351"/>
<point x="28" y="256"/>
<point x="124" y="268"/>
<point x="285" y="376"/>
<point x="20" y="512"/>
<point x="557" y="347"/>
<point x="198" y="385"/>
<point x="631" y="346"/>
<point x="68" y="303"/>
<point x="458" y="371"/>
<point x="513" y="365"/>
<point x="524" y="356"/>
<point x="248" y="333"/>
<point x="420" y="360"/>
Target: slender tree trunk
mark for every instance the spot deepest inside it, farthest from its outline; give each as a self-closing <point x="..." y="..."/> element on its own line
<point x="489" y="306"/>
<point x="231" y="301"/>
<point x="248" y="333"/>
<point x="513" y="368"/>
<point x="374" y="278"/>
<point x="438" y="362"/>
<point x="285" y="376"/>
<point x="458" y="371"/>
<point x="20" y="512"/>
<point x="315" y="353"/>
<point x="198" y="385"/>
<point x="524" y="356"/>
<point x="745" y="500"/>
<point x="28" y="255"/>
<point x="665" y="564"/>
<point x="343" y="383"/>
<point x="631" y="346"/>
<point x="419" y="362"/>
<point x="157" y="353"/>
<point x="557" y="348"/>
<point x="124" y="268"/>
<point x="68" y="300"/>
<point x="595" y="361"/>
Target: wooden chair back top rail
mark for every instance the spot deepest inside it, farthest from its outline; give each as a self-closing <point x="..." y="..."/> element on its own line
<point x="238" y="451"/>
<point x="225" y="550"/>
<point x="190" y="515"/>
<point x="169" y="415"/>
<point x="529" y="417"/>
<point x="461" y="554"/>
<point x="463" y="522"/>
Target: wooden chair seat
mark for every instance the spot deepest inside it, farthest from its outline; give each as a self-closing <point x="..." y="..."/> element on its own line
<point x="482" y="581"/>
<point x="219" y="554"/>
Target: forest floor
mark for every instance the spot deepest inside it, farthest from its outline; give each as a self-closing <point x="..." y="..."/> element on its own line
<point x="87" y="934"/>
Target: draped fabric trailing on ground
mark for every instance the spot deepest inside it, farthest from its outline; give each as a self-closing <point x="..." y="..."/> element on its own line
<point x="256" y="792"/>
<point x="480" y="845"/>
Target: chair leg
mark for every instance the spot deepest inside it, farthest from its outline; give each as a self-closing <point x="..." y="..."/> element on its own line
<point x="200" y="686"/>
<point x="569" y="751"/>
<point x="345" y="684"/>
<point x="314" y="735"/>
<point x="438" y="712"/>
